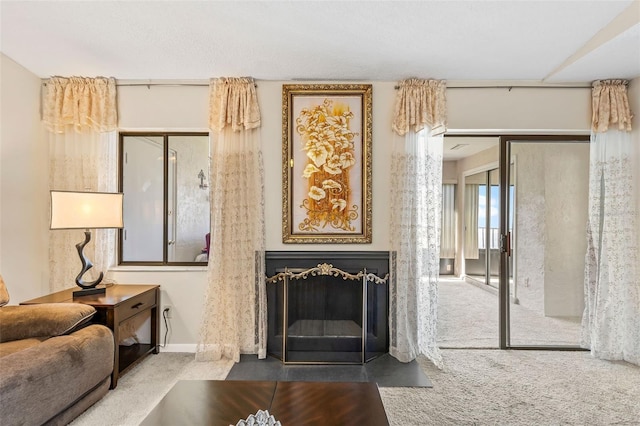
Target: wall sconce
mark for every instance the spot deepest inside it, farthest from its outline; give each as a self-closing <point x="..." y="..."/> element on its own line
<point x="201" y="176"/>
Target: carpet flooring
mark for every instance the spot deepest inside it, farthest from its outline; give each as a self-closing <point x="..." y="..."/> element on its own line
<point x="468" y="317"/>
<point x="475" y="387"/>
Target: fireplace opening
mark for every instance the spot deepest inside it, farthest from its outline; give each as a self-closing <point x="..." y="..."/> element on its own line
<point x="325" y="314"/>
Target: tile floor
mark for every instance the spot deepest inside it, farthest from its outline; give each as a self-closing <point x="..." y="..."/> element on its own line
<point x="385" y="370"/>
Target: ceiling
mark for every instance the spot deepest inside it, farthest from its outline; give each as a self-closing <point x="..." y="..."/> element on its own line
<point x="457" y="147"/>
<point x="538" y="42"/>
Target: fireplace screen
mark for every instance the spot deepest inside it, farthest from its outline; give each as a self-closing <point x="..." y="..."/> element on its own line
<point x="326" y="315"/>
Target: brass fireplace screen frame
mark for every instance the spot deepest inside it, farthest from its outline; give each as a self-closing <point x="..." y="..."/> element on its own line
<point x="324" y="269"/>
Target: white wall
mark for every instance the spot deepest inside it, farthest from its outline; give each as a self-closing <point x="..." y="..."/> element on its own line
<point x="186" y="108"/>
<point x="449" y="172"/>
<point x="24" y="194"/>
<point x="519" y="109"/>
<point x="163" y="108"/>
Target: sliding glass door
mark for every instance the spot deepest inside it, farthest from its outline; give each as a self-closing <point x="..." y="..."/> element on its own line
<point x="544" y="183"/>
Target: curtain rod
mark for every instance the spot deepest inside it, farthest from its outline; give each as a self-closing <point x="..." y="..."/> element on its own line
<point x="166" y="84"/>
<point x="395" y="87"/>
<point x="509" y="87"/>
<point x="44" y="82"/>
<point x="163" y="84"/>
<point x="513" y="87"/>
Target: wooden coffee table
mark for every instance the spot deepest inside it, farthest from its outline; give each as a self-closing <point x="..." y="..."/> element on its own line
<point x="225" y="402"/>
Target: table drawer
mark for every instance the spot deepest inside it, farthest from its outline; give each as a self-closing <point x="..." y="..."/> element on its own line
<point x="137" y="304"/>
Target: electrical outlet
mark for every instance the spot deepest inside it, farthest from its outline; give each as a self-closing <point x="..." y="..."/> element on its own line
<point x="167" y="310"/>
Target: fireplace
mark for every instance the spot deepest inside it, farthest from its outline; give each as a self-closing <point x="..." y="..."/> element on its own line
<point x="327" y="307"/>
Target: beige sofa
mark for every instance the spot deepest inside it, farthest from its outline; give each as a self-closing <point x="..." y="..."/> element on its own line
<point x="54" y="364"/>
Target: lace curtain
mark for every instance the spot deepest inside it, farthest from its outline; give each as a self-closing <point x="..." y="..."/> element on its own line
<point x="611" y="320"/>
<point x="416" y="176"/>
<point x="234" y="314"/>
<point x="80" y="116"/>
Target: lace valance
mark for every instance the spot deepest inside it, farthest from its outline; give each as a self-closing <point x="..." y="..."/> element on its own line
<point x="233" y="101"/>
<point x="610" y="105"/>
<point x="81" y="102"/>
<point x="419" y="103"/>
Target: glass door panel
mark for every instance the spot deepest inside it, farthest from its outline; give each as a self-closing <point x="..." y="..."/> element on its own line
<point x="492" y="229"/>
<point x="547" y="214"/>
<point x="482" y="218"/>
<point x="469" y="317"/>
<point x="475" y="225"/>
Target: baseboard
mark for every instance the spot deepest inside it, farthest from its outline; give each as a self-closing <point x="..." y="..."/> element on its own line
<point x="179" y="347"/>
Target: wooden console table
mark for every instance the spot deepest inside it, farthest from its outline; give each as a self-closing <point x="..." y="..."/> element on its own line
<point x="119" y="304"/>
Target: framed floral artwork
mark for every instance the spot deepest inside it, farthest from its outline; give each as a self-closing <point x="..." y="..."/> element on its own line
<point x="326" y="163"/>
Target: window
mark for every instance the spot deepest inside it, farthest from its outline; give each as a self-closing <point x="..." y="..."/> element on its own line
<point x="164" y="178"/>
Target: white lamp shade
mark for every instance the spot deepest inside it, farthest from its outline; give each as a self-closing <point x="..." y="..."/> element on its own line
<point x="78" y="210"/>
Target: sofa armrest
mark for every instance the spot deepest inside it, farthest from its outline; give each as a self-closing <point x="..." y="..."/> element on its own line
<point x="45" y="320"/>
<point x="40" y="382"/>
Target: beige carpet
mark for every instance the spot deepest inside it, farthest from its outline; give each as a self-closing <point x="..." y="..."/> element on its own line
<point x="493" y="387"/>
<point x="468" y="317"/>
<point x="141" y="388"/>
<point x="476" y="387"/>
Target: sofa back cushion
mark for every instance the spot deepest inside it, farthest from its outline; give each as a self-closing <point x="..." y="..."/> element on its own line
<point x="4" y="294"/>
<point x="45" y="320"/>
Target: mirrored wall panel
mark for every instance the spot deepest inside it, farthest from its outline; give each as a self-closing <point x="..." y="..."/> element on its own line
<point x="165" y="181"/>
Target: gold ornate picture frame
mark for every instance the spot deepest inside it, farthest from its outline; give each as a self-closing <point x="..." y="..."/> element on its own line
<point x="326" y="163"/>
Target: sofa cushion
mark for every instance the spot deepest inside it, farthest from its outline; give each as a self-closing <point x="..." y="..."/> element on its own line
<point x="7" y="348"/>
<point x="4" y="294"/>
<point x="45" y="320"/>
<point x="39" y="382"/>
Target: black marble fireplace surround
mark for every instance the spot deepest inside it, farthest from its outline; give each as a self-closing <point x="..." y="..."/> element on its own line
<point x="330" y="319"/>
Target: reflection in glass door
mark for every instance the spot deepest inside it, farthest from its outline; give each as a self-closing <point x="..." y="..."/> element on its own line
<point x="546" y="242"/>
<point x="172" y="200"/>
<point x="482" y="257"/>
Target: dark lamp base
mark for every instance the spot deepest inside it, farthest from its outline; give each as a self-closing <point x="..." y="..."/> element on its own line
<point x="89" y="291"/>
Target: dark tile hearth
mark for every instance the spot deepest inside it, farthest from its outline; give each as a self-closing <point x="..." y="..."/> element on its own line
<point x="385" y="370"/>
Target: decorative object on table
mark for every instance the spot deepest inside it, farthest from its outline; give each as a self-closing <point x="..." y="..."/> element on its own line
<point x="86" y="210"/>
<point x="326" y="163"/>
<point x="261" y="418"/>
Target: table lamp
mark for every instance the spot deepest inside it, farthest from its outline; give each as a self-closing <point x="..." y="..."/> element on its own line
<point x="86" y="210"/>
